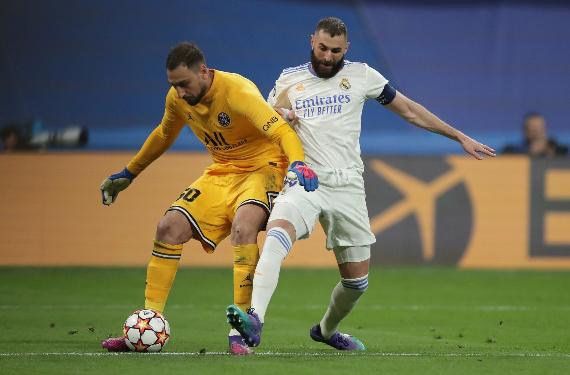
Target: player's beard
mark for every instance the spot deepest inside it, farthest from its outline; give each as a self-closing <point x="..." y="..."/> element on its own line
<point x="324" y="73"/>
<point x="193" y="100"/>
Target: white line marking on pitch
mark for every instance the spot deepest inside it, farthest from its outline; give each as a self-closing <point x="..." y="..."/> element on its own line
<point x="296" y="354"/>
<point x="482" y="308"/>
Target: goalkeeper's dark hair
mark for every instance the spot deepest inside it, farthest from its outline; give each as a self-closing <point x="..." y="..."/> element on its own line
<point x="184" y="53"/>
<point x="333" y="26"/>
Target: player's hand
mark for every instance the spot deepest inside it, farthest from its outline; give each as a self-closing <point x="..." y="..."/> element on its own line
<point x="306" y="176"/>
<point x="114" y="184"/>
<point x="476" y="149"/>
<point x="288" y="115"/>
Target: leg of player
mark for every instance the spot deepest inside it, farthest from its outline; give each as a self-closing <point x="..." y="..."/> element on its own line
<point x="345" y="295"/>
<point x="247" y="223"/>
<point x="281" y="235"/>
<point x="172" y="231"/>
<point x="278" y="243"/>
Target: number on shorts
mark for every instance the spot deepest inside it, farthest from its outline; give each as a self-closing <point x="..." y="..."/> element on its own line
<point x="190" y="194"/>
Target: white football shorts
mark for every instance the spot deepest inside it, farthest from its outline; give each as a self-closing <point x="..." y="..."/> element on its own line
<point x="339" y="204"/>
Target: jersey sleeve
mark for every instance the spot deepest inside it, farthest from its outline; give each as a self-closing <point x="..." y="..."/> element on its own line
<point x="278" y="97"/>
<point x="374" y="82"/>
<point x="248" y="102"/>
<point x="161" y="137"/>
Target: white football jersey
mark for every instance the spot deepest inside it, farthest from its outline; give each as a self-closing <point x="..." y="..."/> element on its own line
<point x="329" y="110"/>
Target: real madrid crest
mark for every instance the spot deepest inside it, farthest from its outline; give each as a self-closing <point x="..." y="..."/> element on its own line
<point x="344" y="84"/>
<point x="224" y="119"/>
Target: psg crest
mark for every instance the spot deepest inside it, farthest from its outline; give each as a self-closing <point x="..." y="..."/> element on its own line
<point x="224" y="119"/>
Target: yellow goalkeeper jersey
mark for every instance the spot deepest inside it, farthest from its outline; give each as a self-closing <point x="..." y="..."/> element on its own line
<point x="237" y="126"/>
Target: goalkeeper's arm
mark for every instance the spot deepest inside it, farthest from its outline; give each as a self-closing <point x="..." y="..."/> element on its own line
<point x="157" y="142"/>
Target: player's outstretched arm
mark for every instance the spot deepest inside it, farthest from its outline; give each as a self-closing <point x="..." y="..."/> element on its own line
<point x="418" y="115"/>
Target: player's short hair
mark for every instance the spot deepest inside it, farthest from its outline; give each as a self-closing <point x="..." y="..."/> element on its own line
<point x="184" y="53"/>
<point x="333" y="26"/>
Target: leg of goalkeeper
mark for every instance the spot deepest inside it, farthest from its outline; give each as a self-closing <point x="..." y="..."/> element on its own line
<point x="247" y="223"/>
<point x="284" y="225"/>
<point x="172" y="232"/>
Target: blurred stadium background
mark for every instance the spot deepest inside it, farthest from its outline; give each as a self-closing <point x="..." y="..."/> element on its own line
<point x="480" y="65"/>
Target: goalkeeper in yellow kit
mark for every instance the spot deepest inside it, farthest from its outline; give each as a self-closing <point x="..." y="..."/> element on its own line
<point x="251" y="147"/>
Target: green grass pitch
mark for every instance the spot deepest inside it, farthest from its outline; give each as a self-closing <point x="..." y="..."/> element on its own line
<point x="412" y="320"/>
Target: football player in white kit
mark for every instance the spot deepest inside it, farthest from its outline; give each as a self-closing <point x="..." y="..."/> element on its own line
<point x="323" y="101"/>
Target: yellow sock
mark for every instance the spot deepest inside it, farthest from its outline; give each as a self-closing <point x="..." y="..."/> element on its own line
<point x="160" y="274"/>
<point x="245" y="260"/>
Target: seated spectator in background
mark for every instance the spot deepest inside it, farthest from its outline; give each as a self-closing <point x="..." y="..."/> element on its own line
<point x="536" y="142"/>
<point x="12" y="139"/>
<point x="21" y="136"/>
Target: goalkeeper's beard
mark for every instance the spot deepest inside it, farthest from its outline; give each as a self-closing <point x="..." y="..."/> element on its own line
<point x="318" y="64"/>
<point x="193" y="100"/>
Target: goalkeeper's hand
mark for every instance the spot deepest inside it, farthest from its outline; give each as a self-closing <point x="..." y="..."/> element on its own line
<point x="306" y="176"/>
<point x="114" y="184"/>
<point x="288" y="115"/>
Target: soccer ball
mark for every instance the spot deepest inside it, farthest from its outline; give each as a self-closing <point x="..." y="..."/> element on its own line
<point x="146" y="331"/>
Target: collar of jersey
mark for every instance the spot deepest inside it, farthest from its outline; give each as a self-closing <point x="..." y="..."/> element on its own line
<point x="209" y="95"/>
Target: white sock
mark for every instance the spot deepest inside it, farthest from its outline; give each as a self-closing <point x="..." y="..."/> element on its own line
<point x="344" y="297"/>
<point x="275" y="249"/>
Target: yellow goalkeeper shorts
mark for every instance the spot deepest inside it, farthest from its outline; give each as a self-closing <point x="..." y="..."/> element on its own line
<point x="210" y="202"/>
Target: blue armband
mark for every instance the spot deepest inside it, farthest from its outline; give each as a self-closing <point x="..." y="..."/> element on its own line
<point x="387" y="95"/>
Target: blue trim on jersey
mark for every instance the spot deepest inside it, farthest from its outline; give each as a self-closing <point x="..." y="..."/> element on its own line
<point x="309" y="66"/>
<point x="354" y="62"/>
<point x="294" y="69"/>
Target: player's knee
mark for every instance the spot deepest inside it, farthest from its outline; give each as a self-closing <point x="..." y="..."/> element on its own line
<point x="359" y="284"/>
<point x="353" y="261"/>
<point x="244" y="233"/>
<point x="172" y="230"/>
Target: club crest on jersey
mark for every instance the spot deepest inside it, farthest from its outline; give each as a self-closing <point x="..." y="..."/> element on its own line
<point x="300" y="87"/>
<point x="224" y="119"/>
<point x="190" y="117"/>
<point x="344" y="84"/>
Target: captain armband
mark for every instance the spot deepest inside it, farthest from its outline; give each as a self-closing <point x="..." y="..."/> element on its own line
<point x="387" y="95"/>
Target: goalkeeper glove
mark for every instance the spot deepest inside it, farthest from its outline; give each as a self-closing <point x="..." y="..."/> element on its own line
<point x="114" y="184"/>
<point x="306" y="176"/>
